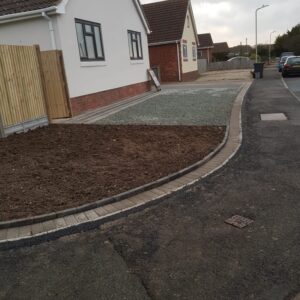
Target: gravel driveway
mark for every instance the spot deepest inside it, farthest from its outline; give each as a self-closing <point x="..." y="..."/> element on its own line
<point x="181" y="105"/>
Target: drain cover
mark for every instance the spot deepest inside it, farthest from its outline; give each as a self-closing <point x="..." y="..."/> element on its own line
<point x="239" y="221"/>
<point x="273" y="117"/>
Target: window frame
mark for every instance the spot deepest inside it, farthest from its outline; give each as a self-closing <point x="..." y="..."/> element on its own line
<point x="194" y="52"/>
<point x="185" y="51"/>
<point x="93" y="35"/>
<point x="137" y="41"/>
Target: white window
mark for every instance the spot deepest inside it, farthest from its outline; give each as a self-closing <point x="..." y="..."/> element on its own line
<point x="185" y="51"/>
<point x="89" y="39"/>
<point x="135" y="45"/>
<point x="194" y="52"/>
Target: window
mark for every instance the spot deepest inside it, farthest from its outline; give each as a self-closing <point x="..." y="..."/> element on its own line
<point x="185" y="52"/>
<point x="89" y="39"/>
<point x="194" y="52"/>
<point x="135" y="45"/>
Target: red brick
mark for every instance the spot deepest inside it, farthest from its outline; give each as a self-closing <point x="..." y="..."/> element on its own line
<point x="190" y="76"/>
<point x="92" y="101"/>
<point x="166" y="58"/>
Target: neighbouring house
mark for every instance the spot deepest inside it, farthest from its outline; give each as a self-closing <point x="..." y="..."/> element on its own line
<point x="173" y="40"/>
<point x="220" y="51"/>
<point x="206" y="46"/>
<point x="104" y="44"/>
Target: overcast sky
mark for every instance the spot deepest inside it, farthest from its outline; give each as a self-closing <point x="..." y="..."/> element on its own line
<point x="234" y="20"/>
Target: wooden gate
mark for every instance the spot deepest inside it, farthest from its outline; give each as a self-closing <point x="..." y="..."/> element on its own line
<point x="22" y="98"/>
<point x="56" y="88"/>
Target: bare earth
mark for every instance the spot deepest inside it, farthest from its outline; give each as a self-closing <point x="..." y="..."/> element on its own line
<point x="64" y="166"/>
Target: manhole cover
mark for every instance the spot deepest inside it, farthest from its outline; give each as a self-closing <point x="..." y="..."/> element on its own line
<point x="273" y="117"/>
<point x="239" y="221"/>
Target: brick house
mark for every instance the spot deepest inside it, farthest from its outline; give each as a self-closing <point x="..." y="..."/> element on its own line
<point x="220" y="51"/>
<point x="173" y="40"/>
<point x="206" y="46"/>
<point x="104" y="44"/>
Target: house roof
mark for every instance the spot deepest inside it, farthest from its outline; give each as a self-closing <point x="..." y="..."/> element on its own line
<point x="166" y="20"/>
<point x="221" y="47"/>
<point x="11" y="10"/>
<point x="205" y="40"/>
<point x="8" y="7"/>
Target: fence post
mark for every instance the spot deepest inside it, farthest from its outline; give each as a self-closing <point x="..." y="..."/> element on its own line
<point x="42" y="78"/>
<point x="2" y="131"/>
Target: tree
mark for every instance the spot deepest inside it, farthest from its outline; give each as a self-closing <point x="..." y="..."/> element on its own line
<point x="288" y="42"/>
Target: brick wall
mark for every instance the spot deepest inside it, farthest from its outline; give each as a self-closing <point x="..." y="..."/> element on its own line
<point x="190" y="76"/>
<point x="165" y="57"/>
<point x="92" y="101"/>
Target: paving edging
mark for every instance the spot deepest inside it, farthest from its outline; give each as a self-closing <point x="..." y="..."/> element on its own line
<point x="47" y="227"/>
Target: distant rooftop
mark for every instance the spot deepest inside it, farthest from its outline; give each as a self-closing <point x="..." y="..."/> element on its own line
<point x="221" y="47"/>
<point x="166" y="20"/>
<point x="205" y="40"/>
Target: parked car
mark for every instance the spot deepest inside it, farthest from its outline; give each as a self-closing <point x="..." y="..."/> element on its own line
<point x="291" y="66"/>
<point x="287" y="54"/>
<point x="282" y="62"/>
<point x="239" y="58"/>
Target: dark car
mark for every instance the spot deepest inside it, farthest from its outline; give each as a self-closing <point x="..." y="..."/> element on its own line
<point x="291" y="66"/>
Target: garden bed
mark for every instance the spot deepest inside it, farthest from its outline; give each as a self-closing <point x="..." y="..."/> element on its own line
<point x="63" y="166"/>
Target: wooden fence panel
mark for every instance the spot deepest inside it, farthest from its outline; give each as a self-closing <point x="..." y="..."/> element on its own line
<point x="22" y="98"/>
<point x="57" y="96"/>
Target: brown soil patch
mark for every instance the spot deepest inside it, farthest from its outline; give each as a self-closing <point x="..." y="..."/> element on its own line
<point x="64" y="166"/>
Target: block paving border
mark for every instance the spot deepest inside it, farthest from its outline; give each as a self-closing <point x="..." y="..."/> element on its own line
<point x="47" y="230"/>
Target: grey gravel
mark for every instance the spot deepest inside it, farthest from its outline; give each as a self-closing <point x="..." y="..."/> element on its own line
<point x="180" y="106"/>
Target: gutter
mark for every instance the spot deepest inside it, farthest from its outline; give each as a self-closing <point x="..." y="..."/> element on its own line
<point x="203" y="48"/>
<point x="51" y="29"/>
<point x="164" y="43"/>
<point x="26" y="14"/>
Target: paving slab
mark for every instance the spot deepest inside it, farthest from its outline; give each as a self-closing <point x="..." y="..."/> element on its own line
<point x="273" y="117"/>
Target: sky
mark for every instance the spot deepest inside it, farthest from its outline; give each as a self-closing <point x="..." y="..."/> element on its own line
<point x="233" y="21"/>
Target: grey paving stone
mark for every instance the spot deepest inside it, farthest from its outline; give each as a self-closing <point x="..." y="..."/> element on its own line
<point x="81" y="217"/>
<point x="91" y="215"/>
<point x="25" y="231"/>
<point x="3" y="234"/>
<point x="100" y="211"/>
<point x="138" y="200"/>
<point x="124" y="204"/>
<point x="158" y="192"/>
<point x="49" y="225"/>
<point x="109" y="208"/>
<point x="37" y="228"/>
<point x="12" y="233"/>
<point x="70" y="220"/>
<point x="60" y="223"/>
<point x="273" y="117"/>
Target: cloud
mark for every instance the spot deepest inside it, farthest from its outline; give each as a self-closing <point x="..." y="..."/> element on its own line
<point x="234" y="20"/>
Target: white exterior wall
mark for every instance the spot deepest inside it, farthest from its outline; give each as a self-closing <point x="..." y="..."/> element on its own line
<point x="189" y="35"/>
<point x="26" y="32"/>
<point x="115" y="17"/>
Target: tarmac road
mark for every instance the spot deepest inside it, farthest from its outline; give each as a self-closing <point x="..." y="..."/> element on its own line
<point x="293" y="84"/>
